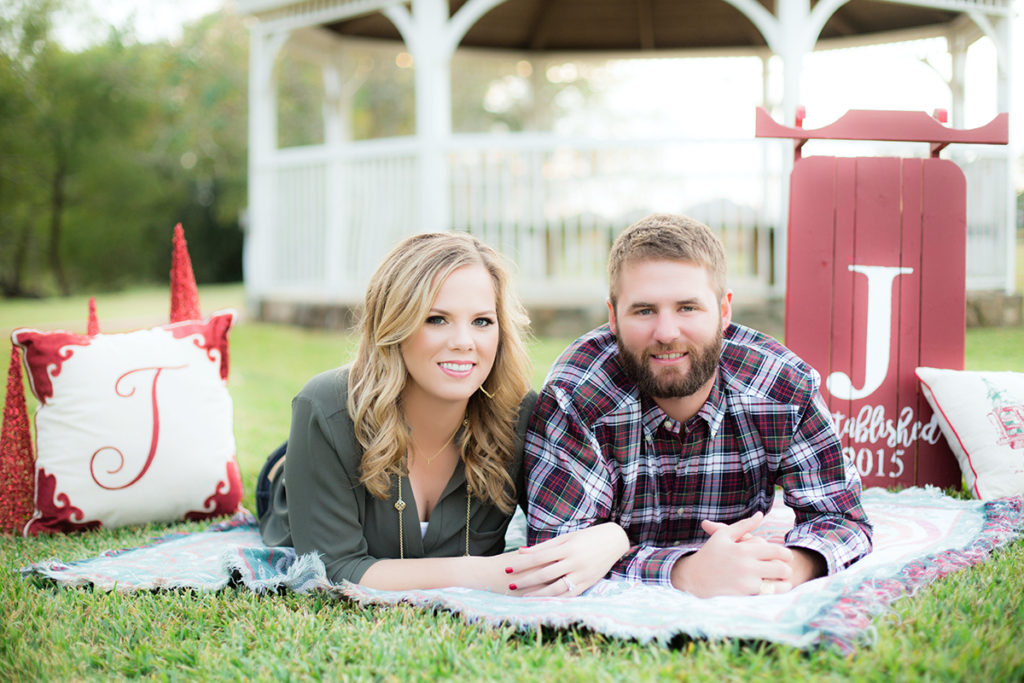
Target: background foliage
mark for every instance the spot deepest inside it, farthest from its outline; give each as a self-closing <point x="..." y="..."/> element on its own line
<point x="104" y="149"/>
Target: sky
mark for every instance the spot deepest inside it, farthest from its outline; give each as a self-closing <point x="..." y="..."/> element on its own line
<point x="151" y="20"/>
<point x="833" y="81"/>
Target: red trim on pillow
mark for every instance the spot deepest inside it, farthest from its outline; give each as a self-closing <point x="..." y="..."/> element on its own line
<point x="225" y="499"/>
<point x="44" y="350"/>
<point x="963" y="448"/>
<point x="212" y="335"/>
<point x="55" y="515"/>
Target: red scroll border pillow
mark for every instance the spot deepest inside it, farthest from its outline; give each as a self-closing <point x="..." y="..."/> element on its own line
<point x="133" y="427"/>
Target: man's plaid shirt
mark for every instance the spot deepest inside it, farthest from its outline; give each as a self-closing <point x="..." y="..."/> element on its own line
<point x="597" y="451"/>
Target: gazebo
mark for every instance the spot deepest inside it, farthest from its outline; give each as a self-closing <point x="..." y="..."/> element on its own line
<point x="321" y="216"/>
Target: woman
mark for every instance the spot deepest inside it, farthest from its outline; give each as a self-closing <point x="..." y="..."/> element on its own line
<point x="403" y="469"/>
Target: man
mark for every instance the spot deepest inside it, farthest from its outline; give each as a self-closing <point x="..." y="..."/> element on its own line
<point x="678" y="425"/>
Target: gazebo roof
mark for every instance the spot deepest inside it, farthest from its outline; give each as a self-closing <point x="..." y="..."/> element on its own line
<point x="627" y="25"/>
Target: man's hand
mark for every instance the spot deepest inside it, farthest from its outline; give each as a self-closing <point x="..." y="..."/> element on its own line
<point x="733" y="562"/>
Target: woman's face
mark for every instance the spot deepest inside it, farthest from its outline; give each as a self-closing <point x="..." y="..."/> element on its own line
<point x="453" y="351"/>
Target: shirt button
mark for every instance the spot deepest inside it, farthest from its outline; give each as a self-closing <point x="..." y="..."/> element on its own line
<point x="681" y="511"/>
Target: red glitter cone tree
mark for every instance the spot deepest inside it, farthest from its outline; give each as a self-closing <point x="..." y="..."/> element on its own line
<point x="93" y="327"/>
<point x="184" y="293"/>
<point x="17" y="464"/>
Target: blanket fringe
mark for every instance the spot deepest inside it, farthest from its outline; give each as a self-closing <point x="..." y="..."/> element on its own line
<point x="847" y="623"/>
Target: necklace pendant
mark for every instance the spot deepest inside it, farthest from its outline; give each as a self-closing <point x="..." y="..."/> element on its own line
<point x="399" y="504"/>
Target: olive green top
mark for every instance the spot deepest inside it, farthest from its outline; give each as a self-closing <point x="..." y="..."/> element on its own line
<point x="317" y="503"/>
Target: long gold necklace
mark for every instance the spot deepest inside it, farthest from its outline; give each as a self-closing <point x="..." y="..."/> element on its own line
<point x="400" y="503"/>
<point x="400" y="506"/>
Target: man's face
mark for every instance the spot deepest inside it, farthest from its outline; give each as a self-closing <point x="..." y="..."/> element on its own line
<point x="668" y="323"/>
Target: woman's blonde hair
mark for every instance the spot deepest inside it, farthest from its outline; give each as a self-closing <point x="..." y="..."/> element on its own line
<point x="398" y="300"/>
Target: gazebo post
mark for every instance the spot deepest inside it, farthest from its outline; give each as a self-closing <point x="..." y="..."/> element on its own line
<point x="791" y="34"/>
<point x="999" y="29"/>
<point x="957" y="44"/>
<point x="424" y="32"/>
<point x="336" y="123"/>
<point x="791" y="43"/>
<point x="1002" y="37"/>
<point x="264" y="46"/>
<point x="432" y="39"/>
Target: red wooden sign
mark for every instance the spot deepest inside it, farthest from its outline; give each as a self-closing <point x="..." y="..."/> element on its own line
<point x="875" y="286"/>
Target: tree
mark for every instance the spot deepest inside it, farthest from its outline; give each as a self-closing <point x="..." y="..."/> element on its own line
<point x="64" y="108"/>
<point x="23" y="30"/>
<point x="195" y="141"/>
<point x="103" y="150"/>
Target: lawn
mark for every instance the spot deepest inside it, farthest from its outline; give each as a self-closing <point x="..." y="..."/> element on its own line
<point x="967" y="626"/>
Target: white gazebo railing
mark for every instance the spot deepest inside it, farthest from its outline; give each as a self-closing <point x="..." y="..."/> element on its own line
<point x="553" y="206"/>
<point x="321" y="218"/>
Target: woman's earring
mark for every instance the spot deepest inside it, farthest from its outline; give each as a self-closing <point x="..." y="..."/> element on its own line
<point x="486" y="393"/>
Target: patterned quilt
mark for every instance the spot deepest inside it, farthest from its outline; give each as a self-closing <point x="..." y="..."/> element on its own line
<point x="920" y="535"/>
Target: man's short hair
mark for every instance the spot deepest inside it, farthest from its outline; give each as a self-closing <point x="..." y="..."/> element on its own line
<point x="668" y="237"/>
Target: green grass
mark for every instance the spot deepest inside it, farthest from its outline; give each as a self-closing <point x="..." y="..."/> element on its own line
<point x="967" y="626"/>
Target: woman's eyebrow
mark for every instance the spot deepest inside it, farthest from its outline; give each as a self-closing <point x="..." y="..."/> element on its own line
<point x="441" y="311"/>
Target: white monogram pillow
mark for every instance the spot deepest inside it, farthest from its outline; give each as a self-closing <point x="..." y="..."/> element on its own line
<point x="132" y="428"/>
<point x="982" y="417"/>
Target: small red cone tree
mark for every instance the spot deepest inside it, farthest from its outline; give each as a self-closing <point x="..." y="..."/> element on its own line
<point x="93" y="327"/>
<point x="184" y="294"/>
<point x="17" y="464"/>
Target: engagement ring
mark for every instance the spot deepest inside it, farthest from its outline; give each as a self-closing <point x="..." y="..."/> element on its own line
<point x="569" y="584"/>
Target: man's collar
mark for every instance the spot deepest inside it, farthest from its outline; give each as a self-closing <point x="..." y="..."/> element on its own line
<point x="712" y="411"/>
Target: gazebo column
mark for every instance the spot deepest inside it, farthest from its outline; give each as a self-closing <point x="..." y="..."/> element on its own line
<point x="958" y="44"/>
<point x="791" y="45"/>
<point x="337" y="132"/>
<point x="791" y="34"/>
<point x="998" y="27"/>
<point x="1004" y="102"/>
<point x="264" y="47"/>
<point x="424" y="32"/>
<point x="432" y="39"/>
<point x="1001" y="33"/>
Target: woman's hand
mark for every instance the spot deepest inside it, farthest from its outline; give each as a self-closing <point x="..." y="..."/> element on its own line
<point x="572" y="561"/>
<point x="566" y="565"/>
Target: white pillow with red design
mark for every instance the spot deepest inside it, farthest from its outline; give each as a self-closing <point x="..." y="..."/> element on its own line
<point x="134" y="427"/>
<point x="982" y="417"/>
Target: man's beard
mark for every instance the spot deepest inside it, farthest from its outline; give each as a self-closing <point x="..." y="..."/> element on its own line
<point x="703" y="364"/>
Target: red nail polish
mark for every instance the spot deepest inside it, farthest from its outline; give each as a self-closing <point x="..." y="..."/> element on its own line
<point x="511" y="586"/>
<point x="508" y="570"/>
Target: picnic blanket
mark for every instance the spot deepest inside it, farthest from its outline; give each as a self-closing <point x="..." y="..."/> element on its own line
<point x="919" y="535"/>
